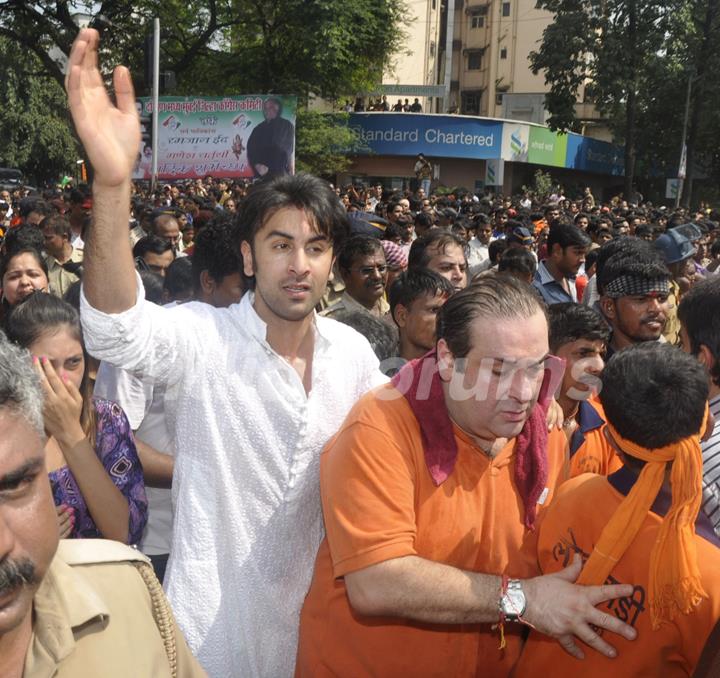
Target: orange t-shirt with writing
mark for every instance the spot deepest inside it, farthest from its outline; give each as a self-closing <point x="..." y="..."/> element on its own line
<point x="380" y="503"/>
<point x="573" y="524"/>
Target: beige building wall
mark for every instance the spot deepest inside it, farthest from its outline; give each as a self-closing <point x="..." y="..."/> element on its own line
<point x="418" y="63"/>
<point x="491" y="47"/>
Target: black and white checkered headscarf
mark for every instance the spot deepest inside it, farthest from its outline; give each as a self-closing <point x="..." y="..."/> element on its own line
<point x="637" y="286"/>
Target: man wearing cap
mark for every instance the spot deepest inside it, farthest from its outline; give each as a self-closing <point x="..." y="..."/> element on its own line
<point x="641" y="525"/>
<point x="677" y="250"/>
<point x="555" y="277"/>
<point x="520" y="237"/>
<point x="634" y="286"/>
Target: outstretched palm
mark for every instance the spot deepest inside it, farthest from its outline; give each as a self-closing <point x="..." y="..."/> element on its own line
<point x="109" y="133"/>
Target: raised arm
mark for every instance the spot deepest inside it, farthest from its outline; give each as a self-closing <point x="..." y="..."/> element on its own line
<point x="110" y="135"/>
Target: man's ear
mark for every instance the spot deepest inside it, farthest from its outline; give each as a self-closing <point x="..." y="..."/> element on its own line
<point x="706" y="357"/>
<point x="607" y="306"/>
<point x="400" y="315"/>
<point x="207" y="284"/>
<point x="446" y="360"/>
<point x="247" y="257"/>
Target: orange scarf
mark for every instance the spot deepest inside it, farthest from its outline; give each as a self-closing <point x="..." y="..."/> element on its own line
<point x="675" y="582"/>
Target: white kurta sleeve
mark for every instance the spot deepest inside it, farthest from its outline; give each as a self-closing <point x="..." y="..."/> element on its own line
<point x="148" y="340"/>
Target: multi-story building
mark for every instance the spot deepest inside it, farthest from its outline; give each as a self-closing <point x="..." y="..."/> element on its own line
<point x="491" y="74"/>
<point x="417" y="70"/>
<point x="477" y="55"/>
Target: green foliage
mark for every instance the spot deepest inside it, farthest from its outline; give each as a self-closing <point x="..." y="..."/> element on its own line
<point x="216" y="47"/>
<point x="541" y="187"/>
<point x="609" y="46"/>
<point x="33" y="120"/>
<point x="324" y="47"/>
<point x="635" y="58"/>
<point x="324" y="143"/>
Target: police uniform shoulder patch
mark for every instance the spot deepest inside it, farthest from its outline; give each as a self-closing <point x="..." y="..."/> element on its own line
<point x="93" y="551"/>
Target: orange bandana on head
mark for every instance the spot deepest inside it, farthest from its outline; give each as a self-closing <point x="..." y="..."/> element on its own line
<point x="675" y="582"/>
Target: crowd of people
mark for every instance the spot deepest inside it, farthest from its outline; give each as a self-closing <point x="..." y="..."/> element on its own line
<point x="352" y="431"/>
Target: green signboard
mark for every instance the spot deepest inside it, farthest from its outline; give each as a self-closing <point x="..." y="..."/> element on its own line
<point x="546" y="147"/>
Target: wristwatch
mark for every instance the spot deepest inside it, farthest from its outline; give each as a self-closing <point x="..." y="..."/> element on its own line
<point x="512" y="602"/>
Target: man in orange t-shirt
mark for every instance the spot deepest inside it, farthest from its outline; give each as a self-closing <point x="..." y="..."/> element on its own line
<point x="433" y="479"/>
<point x="640" y="386"/>
<point x="579" y="335"/>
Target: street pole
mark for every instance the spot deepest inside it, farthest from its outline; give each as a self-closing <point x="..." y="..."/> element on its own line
<point x="155" y="102"/>
<point x="682" y="171"/>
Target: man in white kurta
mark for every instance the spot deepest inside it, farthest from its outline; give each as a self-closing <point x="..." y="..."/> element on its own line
<point x="253" y="391"/>
<point x="248" y="521"/>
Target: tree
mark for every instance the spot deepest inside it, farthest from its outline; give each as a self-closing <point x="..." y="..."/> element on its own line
<point x="33" y="118"/>
<point x="325" y="47"/>
<point x="304" y="47"/>
<point x="541" y="187"/>
<point x="325" y="143"/>
<point x="610" y="47"/>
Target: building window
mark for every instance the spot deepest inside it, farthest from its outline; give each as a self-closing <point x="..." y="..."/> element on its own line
<point x="470" y="102"/>
<point x="503" y="53"/>
<point x="474" y="60"/>
<point x="506" y="9"/>
<point x="477" y="21"/>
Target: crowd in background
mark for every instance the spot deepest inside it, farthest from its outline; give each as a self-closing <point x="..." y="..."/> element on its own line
<point x="405" y="254"/>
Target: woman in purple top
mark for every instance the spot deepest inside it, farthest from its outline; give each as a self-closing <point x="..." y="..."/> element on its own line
<point x="94" y="470"/>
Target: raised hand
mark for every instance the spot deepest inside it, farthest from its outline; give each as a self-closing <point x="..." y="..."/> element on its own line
<point x="110" y="133"/>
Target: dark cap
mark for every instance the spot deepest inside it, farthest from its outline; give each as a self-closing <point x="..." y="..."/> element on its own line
<point x="520" y="235"/>
<point x="674" y="246"/>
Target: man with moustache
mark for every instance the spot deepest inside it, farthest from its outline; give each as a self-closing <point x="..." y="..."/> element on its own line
<point x="363" y="268"/>
<point x="68" y="608"/>
<point x="635" y="289"/>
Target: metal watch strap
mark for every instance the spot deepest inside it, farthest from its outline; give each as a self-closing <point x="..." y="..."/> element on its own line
<point x="508" y="607"/>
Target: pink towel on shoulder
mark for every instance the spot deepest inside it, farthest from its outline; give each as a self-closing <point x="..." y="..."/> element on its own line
<point x="440" y="447"/>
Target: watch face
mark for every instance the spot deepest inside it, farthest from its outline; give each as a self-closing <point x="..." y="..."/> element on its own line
<point x="514" y="602"/>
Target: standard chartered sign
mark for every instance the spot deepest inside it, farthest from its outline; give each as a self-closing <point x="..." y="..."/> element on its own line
<point x="410" y="134"/>
<point x="430" y="136"/>
<point x="436" y="136"/>
<point x="459" y="136"/>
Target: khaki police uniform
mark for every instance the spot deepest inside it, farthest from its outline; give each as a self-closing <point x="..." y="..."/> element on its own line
<point x="101" y="613"/>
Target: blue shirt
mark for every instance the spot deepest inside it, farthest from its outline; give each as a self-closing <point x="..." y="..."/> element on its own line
<point x="550" y="289"/>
